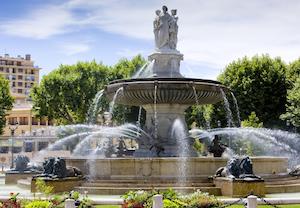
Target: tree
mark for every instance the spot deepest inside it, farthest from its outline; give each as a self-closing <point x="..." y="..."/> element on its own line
<point x="6" y="102"/>
<point x="292" y="73"/>
<point x="292" y="114"/>
<point x="252" y="121"/>
<point x="66" y="93"/>
<point x="259" y="85"/>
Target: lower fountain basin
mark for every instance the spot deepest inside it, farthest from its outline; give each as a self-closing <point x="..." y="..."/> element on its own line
<point x="167" y="168"/>
<point x="169" y="90"/>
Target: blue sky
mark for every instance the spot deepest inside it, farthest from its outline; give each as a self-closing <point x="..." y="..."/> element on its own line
<point x="211" y="33"/>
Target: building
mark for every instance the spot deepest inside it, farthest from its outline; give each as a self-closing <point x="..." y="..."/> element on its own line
<point x="23" y="75"/>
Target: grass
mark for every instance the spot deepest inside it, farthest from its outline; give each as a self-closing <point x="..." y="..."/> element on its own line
<point x="233" y="206"/>
<point x="268" y="206"/>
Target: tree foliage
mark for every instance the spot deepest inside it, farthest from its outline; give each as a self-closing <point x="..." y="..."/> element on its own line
<point x="66" y="93"/>
<point x="259" y="85"/>
<point x="293" y="72"/>
<point x="6" y="102"/>
<point x="252" y="121"/>
<point x="293" y="105"/>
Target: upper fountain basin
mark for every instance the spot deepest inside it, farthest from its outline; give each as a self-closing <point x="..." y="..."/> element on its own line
<point x="138" y="92"/>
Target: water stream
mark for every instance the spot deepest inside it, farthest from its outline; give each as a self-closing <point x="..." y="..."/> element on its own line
<point x="229" y="117"/>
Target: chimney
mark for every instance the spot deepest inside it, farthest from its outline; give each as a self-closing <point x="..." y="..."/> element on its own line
<point x="27" y="57"/>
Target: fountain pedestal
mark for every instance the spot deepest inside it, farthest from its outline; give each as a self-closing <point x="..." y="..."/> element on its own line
<point x="240" y="187"/>
<point x="160" y="119"/>
<point x="166" y="63"/>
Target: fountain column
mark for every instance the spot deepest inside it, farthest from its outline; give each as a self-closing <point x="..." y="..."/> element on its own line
<point x="163" y="144"/>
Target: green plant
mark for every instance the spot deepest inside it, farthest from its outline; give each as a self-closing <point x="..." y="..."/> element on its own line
<point x="39" y="204"/>
<point x="75" y="195"/>
<point x="12" y="202"/>
<point x="199" y="199"/>
<point x="42" y="187"/>
<point x="135" y="199"/>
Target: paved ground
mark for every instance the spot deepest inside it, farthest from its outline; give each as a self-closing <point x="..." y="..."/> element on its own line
<point x="5" y="190"/>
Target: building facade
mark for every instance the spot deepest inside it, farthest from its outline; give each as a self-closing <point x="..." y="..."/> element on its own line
<point x="22" y="75"/>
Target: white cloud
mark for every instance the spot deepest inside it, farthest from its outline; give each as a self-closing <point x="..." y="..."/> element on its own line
<point x="41" y="23"/>
<point x="128" y="53"/>
<point x="70" y="49"/>
<point x="211" y="33"/>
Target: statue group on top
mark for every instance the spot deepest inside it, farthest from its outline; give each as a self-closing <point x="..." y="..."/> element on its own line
<point x="165" y="29"/>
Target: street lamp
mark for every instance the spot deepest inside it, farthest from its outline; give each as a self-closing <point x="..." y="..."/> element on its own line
<point x="12" y="129"/>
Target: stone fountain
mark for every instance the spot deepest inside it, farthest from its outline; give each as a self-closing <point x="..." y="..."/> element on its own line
<point x="165" y="94"/>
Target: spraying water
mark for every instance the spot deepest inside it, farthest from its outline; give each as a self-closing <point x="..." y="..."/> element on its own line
<point x="112" y="104"/>
<point x="145" y="71"/>
<point x="227" y="109"/>
<point x="179" y="132"/>
<point x="94" y="108"/>
<point x="257" y="141"/>
<point x="236" y="108"/>
<point x="155" y="113"/>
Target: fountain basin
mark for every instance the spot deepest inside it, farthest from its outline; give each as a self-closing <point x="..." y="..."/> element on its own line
<point x="140" y="92"/>
<point x="167" y="168"/>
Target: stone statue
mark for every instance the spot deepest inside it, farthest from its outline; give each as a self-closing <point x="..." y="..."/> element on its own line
<point x="217" y="148"/>
<point x="21" y="162"/>
<point x="240" y="168"/>
<point x="56" y="168"/>
<point x="173" y="30"/>
<point x="165" y="29"/>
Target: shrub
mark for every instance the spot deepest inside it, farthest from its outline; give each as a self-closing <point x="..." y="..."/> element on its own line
<point x="39" y="204"/>
<point x="199" y="199"/>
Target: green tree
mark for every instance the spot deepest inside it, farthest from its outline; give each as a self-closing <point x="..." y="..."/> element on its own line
<point x="259" y="85"/>
<point x="6" y="102"/>
<point x="66" y="93"/>
<point x="293" y="105"/>
<point x="293" y="72"/>
<point x="252" y="121"/>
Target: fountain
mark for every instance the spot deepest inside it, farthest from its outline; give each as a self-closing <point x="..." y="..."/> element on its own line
<point x="165" y="156"/>
<point x="165" y="94"/>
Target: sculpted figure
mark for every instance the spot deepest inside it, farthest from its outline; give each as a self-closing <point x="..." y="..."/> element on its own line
<point x="156" y="26"/>
<point x="173" y="29"/>
<point x="162" y="28"/>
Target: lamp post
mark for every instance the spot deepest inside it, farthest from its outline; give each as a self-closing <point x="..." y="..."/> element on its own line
<point x="12" y="128"/>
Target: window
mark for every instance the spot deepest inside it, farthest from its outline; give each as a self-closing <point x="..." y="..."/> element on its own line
<point x="20" y="77"/>
<point x="20" y="91"/>
<point x="1" y="69"/>
<point x="13" y="70"/>
<point x="20" y="70"/>
<point x="23" y="121"/>
<point x="43" y="121"/>
<point x="28" y="146"/>
<point x="42" y="145"/>
<point x="20" y="84"/>
<point x="4" y="149"/>
<point x="12" y="120"/>
<point x="50" y="122"/>
<point x="14" y="84"/>
<point x="19" y="64"/>
<point x="17" y="149"/>
<point x="34" y="121"/>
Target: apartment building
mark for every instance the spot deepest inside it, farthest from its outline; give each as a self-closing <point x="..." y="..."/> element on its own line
<point x="22" y="75"/>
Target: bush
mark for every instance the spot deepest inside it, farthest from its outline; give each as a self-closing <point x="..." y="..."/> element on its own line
<point x="143" y="199"/>
<point x="39" y="204"/>
<point x="199" y="199"/>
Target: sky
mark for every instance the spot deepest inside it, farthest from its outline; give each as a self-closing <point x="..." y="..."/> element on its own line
<point x="212" y="33"/>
